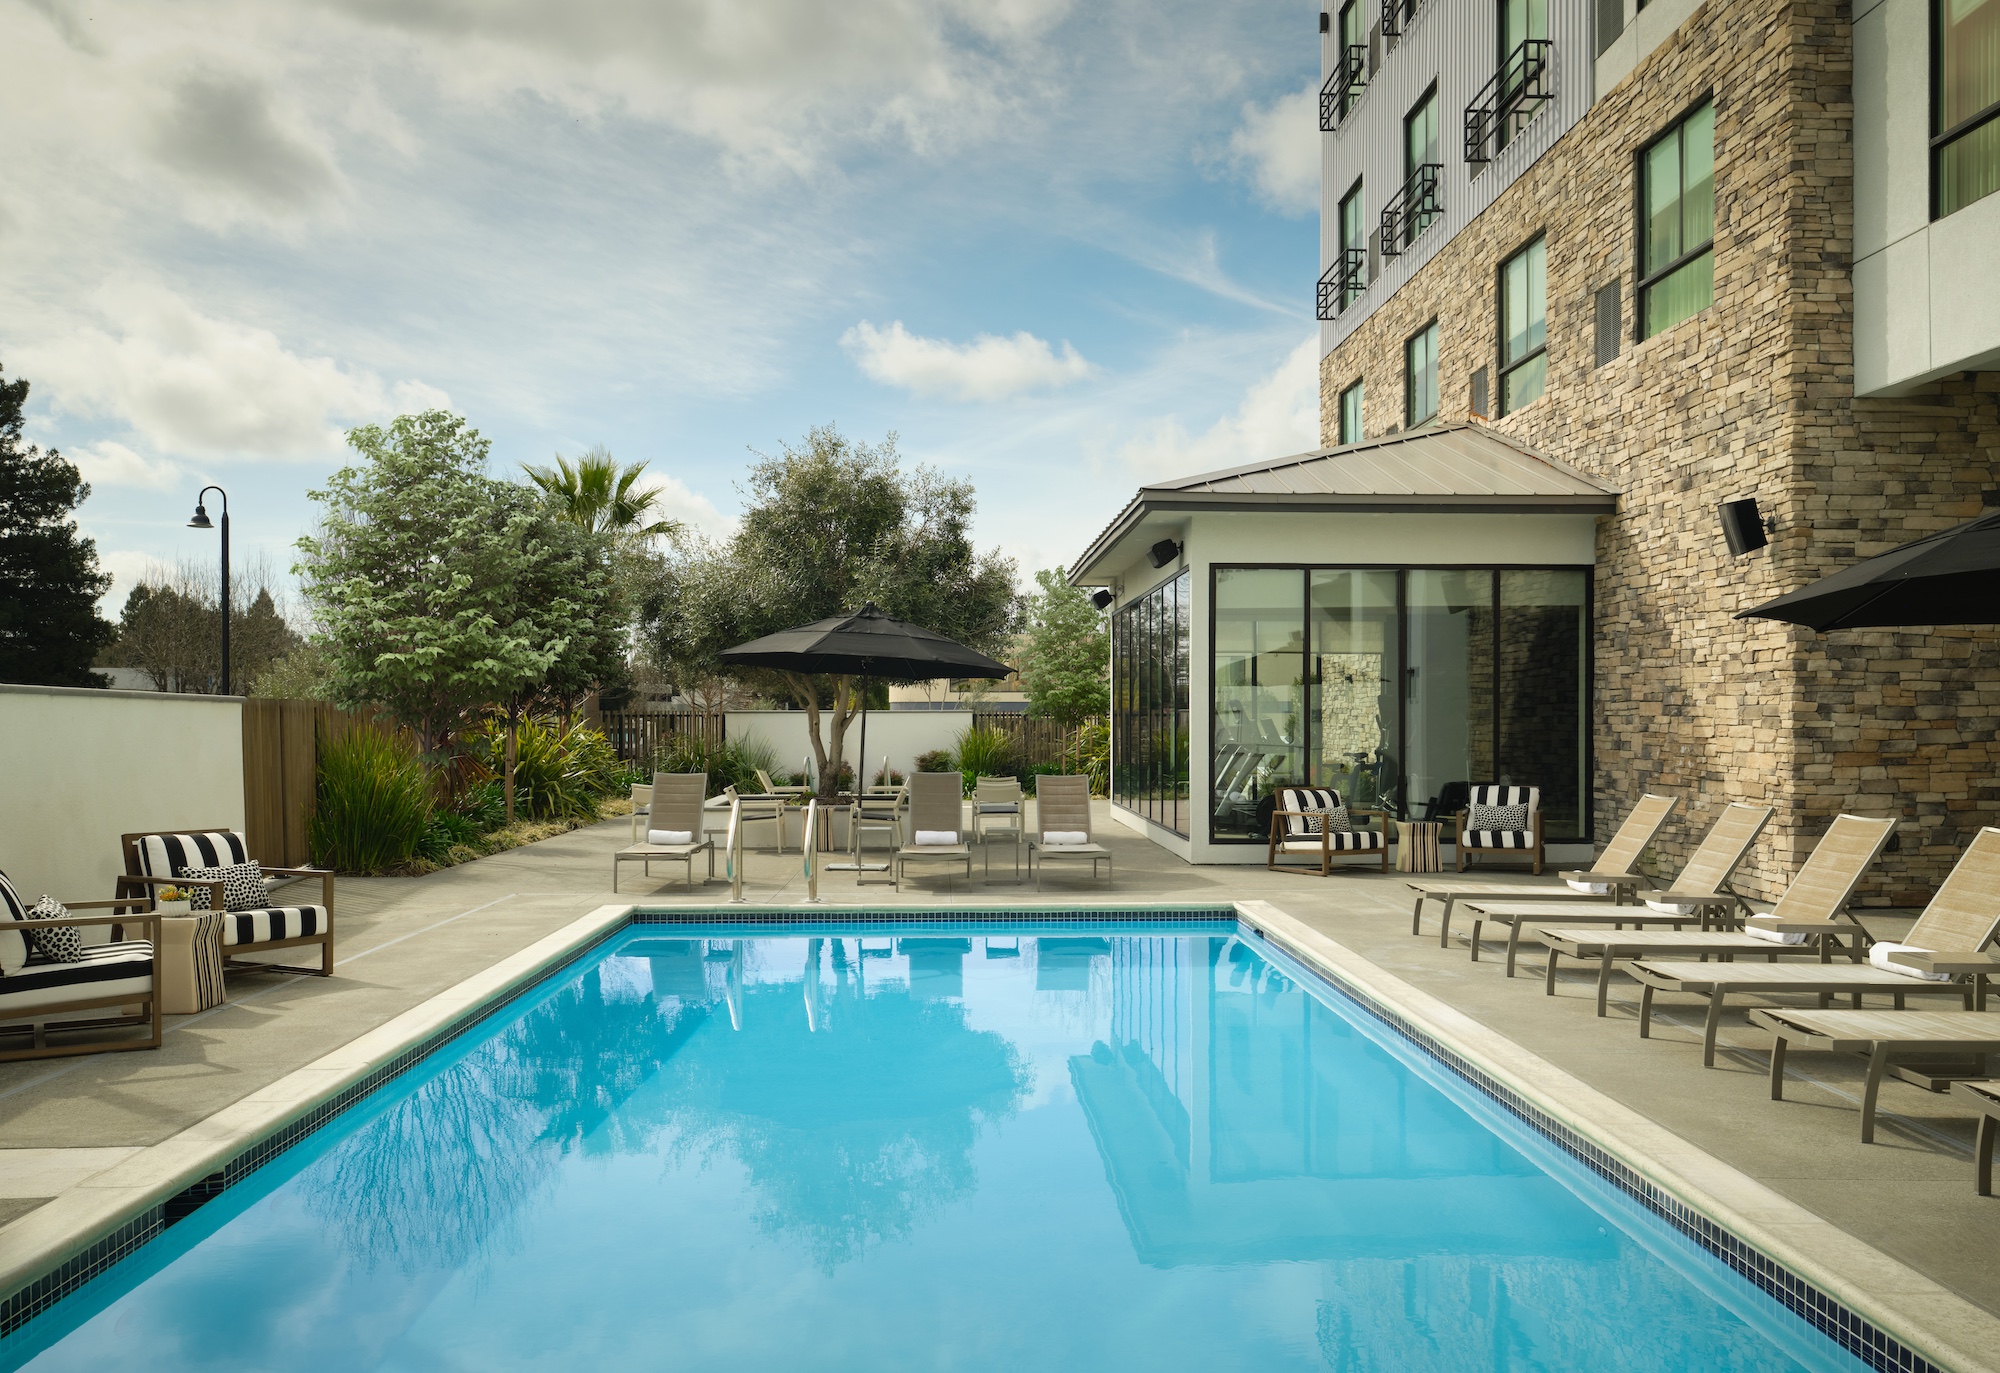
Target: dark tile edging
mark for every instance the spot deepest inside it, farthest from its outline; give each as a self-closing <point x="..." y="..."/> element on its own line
<point x="1838" y="1322"/>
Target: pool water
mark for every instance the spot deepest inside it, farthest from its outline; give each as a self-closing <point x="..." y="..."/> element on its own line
<point x="1087" y="1147"/>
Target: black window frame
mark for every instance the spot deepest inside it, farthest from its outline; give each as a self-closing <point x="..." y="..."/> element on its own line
<point x="1355" y="389"/>
<point x="1501" y="367"/>
<point x="1645" y="281"/>
<point x="1351" y="288"/>
<point x="1411" y="419"/>
<point x="1941" y="139"/>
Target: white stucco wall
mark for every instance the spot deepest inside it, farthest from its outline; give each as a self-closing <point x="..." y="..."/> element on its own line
<point x="901" y="734"/>
<point x="84" y="767"/>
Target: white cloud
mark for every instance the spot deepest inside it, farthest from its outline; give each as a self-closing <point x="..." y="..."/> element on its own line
<point x="987" y="369"/>
<point x="187" y="384"/>
<point x="1277" y="146"/>
<point x="1279" y="415"/>
<point x="106" y="463"/>
<point x="128" y="567"/>
<point x="679" y="501"/>
<point x="225" y="133"/>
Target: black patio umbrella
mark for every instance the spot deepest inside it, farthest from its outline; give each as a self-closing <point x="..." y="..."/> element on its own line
<point x="866" y="644"/>
<point x="1948" y="578"/>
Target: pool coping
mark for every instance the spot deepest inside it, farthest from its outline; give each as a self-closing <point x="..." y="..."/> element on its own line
<point x="1879" y="1308"/>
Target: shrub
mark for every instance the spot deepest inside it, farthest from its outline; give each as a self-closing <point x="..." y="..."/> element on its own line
<point x="937" y="760"/>
<point x="733" y="764"/>
<point x="888" y="778"/>
<point x="560" y="770"/>
<point x="373" y="806"/>
<point x="986" y="753"/>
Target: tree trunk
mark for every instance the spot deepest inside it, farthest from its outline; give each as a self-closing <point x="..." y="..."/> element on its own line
<point x="508" y="785"/>
<point x="826" y="754"/>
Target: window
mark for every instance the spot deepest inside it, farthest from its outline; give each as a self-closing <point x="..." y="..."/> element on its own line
<point x="1420" y="377"/>
<point x="1353" y="240"/>
<point x="1521" y="21"/>
<point x="1965" y="103"/>
<point x="1420" y="150"/>
<point x="1353" y="35"/>
<point x="1149" y="704"/>
<point x="1350" y="414"/>
<point x="1677" y="223"/>
<point x="1524" y="329"/>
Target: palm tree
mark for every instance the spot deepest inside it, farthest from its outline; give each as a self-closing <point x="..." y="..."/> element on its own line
<point x="595" y="492"/>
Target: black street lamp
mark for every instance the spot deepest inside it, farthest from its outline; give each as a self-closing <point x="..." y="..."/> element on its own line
<point x="200" y="521"/>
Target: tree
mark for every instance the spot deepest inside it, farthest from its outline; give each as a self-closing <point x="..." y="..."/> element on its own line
<point x="423" y="578"/>
<point x="830" y="525"/>
<point x="50" y="631"/>
<point x="597" y="494"/>
<point x="1065" y="653"/>
<point x="171" y="627"/>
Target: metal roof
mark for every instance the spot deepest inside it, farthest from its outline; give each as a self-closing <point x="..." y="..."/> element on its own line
<point x="1459" y="467"/>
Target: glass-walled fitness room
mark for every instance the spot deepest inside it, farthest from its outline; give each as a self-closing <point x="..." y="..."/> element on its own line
<point x="1400" y="688"/>
<point x="1149" y="704"/>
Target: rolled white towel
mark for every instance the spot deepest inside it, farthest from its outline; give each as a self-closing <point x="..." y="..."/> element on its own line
<point x="669" y="836"/>
<point x="1756" y="931"/>
<point x="1589" y="888"/>
<point x="939" y="838"/>
<point x="1058" y="838"/>
<point x="1879" y="956"/>
<point x="1672" y="907"/>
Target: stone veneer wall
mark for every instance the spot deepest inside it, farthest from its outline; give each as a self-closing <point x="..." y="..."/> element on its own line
<point x="1753" y="396"/>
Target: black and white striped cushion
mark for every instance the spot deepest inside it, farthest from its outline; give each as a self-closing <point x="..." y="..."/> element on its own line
<point x="1322" y="809"/>
<point x="1356" y="841"/>
<point x="1498" y="839"/>
<point x="1485" y="830"/>
<point x="274" y="922"/>
<point x="13" y="943"/>
<point x="171" y="855"/>
<point x="104" y="970"/>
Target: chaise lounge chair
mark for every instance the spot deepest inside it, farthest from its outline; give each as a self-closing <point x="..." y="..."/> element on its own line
<point x="674" y="831"/>
<point x="1961" y="919"/>
<point x="114" y="985"/>
<point x="1613" y="874"/>
<point x="1810" y="917"/>
<point x="1063" y="831"/>
<point x="1299" y="829"/>
<point x="1884" y="1036"/>
<point x="937" y="822"/>
<point x="161" y="860"/>
<point x="1701" y="889"/>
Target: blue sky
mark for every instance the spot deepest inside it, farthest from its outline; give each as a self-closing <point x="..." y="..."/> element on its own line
<point x="1060" y="246"/>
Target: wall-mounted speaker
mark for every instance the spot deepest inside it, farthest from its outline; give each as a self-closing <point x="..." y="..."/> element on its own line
<point x="1102" y="599"/>
<point x="1163" y="552"/>
<point x="1743" y="526"/>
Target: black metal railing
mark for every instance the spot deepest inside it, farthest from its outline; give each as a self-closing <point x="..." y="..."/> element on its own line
<point x="1343" y="86"/>
<point x="1397" y="14"/>
<point x="1413" y="209"/>
<point x="1343" y="282"/>
<point x="1523" y="82"/>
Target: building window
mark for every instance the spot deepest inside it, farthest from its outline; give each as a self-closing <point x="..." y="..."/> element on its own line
<point x="1677" y="223"/>
<point x="1350" y="414"/>
<point x="1353" y="247"/>
<point x="1149" y="704"/>
<point x="1421" y="161"/>
<point x="1521" y="22"/>
<point x="1353" y="53"/>
<point x="1399" y="688"/>
<point x="1420" y="377"/>
<point x="1524" y="330"/>
<point x="1965" y="103"/>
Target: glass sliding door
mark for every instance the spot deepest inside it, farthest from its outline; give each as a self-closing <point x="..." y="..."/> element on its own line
<point x="1149" y="674"/>
<point x="1354" y="673"/>
<point x="1543" y="655"/>
<point x="1447" y="687"/>
<point x="1259" y="698"/>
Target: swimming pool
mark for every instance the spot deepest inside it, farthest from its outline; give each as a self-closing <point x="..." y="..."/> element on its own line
<point x="1113" y="1145"/>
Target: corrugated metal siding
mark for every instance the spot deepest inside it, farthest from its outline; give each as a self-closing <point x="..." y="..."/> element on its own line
<point x="1453" y="42"/>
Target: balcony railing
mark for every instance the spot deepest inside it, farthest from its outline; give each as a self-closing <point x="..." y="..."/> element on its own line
<point x="1343" y="86"/>
<point x="1397" y="14"/>
<point x="1413" y="209"/>
<point x="1343" y="282"/>
<point x="1523" y="82"/>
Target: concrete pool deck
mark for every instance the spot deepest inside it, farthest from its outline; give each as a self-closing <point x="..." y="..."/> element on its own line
<point x="404" y="940"/>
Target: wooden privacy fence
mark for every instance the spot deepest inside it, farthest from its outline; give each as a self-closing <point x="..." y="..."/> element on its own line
<point x="638" y="736"/>
<point x="1035" y="741"/>
<point x="281" y="772"/>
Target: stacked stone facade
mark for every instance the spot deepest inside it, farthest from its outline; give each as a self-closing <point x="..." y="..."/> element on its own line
<point x="1751" y="397"/>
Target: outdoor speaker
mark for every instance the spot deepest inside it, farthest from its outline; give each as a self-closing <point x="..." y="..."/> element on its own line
<point x="1102" y="599"/>
<point x="1742" y="526"/>
<point x="1163" y="552"/>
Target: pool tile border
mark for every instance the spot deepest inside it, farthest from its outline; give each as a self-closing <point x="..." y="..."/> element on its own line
<point x="1854" y="1331"/>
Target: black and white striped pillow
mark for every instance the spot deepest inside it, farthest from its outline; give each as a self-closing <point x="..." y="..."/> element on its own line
<point x="242" y="885"/>
<point x="63" y="944"/>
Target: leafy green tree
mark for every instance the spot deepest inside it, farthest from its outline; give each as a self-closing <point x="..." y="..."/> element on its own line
<point x="595" y="493"/>
<point x="430" y="580"/>
<point x="1065" y="653"/>
<point x="50" y="631"/>
<point x="171" y="627"/>
<point x="831" y="524"/>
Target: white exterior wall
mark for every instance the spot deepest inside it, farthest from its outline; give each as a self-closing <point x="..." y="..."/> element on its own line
<point x="1926" y="295"/>
<point x="1338" y="540"/>
<point x="84" y="767"/>
<point x="902" y="734"/>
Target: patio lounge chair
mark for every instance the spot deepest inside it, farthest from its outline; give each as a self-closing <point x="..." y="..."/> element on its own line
<point x="642" y="802"/>
<point x="1298" y="828"/>
<point x="1984" y="1098"/>
<point x="773" y="789"/>
<point x="1960" y="919"/>
<point x="1701" y="889"/>
<point x="758" y="809"/>
<point x="1883" y="1036"/>
<point x="1063" y="832"/>
<point x="1809" y="918"/>
<point x="678" y="808"/>
<point x="160" y="860"/>
<point x="1614" y="873"/>
<point x="937" y="822"/>
<point x="115" y="984"/>
<point x="1477" y="837"/>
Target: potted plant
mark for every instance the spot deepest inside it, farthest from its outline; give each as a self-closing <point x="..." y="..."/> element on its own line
<point x="172" y="900"/>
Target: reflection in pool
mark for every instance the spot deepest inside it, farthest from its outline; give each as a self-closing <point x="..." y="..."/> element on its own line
<point x="1120" y="1148"/>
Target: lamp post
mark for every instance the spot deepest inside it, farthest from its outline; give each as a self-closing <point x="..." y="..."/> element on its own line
<point x="200" y="521"/>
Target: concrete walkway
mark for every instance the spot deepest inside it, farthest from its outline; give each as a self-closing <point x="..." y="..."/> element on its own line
<point x="402" y="940"/>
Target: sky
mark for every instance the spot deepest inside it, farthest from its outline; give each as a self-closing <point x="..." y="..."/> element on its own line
<point x="1059" y="247"/>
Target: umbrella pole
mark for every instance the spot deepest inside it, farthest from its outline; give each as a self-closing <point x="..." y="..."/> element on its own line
<point x="861" y="763"/>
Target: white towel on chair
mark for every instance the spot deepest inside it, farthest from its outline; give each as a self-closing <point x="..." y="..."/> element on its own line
<point x="669" y="836"/>
<point x="1878" y="954"/>
<point x="1673" y="907"/>
<point x="1059" y="838"/>
<point x="929" y="838"/>
<point x="1756" y="931"/>
<point x="1589" y="888"/>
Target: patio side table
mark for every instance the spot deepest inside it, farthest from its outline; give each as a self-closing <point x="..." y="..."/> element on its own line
<point x="191" y="963"/>
<point x="1417" y="846"/>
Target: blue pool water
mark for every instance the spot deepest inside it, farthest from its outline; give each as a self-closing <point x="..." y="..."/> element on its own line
<point x="1116" y="1147"/>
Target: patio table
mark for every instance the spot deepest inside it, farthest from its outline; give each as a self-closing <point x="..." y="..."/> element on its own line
<point x="1417" y="846"/>
<point x="191" y="963"/>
